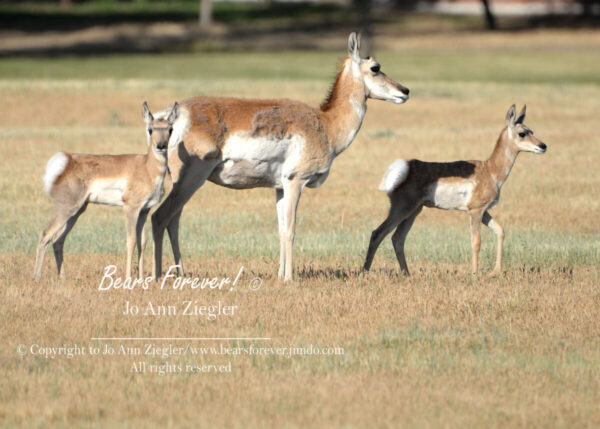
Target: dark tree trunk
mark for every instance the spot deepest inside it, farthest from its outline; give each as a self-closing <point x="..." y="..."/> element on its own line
<point x="490" y="21"/>
<point x="586" y="9"/>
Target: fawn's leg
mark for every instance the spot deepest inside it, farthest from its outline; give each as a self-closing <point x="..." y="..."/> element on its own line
<point x="399" y="238"/>
<point x="140" y="239"/>
<point x="476" y="216"/>
<point x="399" y="211"/>
<point x="54" y="226"/>
<point x="131" y="220"/>
<point x="59" y="241"/>
<point x="54" y="229"/>
<point x="499" y="231"/>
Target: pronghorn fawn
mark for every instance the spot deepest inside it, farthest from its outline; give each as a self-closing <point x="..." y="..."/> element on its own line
<point x="134" y="182"/>
<point x="471" y="186"/>
<point x="281" y="144"/>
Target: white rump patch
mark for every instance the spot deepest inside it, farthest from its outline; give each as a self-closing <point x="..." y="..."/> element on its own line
<point x="394" y="175"/>
<point x="55" y="167"/>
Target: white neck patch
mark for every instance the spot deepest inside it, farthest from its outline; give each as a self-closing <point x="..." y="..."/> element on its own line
<point x="359" y="108"/>
<point x="509" y="155"/>
<point x="160" y="156"/>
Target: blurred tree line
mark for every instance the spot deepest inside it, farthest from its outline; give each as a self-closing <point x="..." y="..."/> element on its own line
<point x="364" y="8"/>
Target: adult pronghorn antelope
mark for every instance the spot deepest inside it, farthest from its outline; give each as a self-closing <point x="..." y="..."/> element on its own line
<point x="134" y="182"/>
<point x="471" y="186"/>
<point x="282" y="144"/>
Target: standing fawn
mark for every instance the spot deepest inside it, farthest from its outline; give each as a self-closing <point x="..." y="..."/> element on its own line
<point x="283" y="144"/>
<point x="471" y="186"/>
<point x="134" y="182"/>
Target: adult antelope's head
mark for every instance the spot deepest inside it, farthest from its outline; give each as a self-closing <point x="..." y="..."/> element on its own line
<point x="377" y="84"/>
<point x="520" y="135"/>
<point x="159" y="129"/>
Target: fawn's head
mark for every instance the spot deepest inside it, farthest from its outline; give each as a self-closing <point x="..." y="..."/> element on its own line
<point x="520" y="135"/>
<point x="159" y="130"/>
<point x="368" y="71"/>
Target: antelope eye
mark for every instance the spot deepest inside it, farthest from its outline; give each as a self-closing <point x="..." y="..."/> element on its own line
<point x="375" y="69"/>
<point x="522" y="135"/>
<point x="150" y="131"/>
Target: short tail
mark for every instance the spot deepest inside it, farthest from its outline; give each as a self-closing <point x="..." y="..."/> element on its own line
<point x="55" y="167"/>
<point x="394" y="176"/>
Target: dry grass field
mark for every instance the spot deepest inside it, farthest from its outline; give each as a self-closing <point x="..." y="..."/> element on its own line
<point x="440" y="349"/>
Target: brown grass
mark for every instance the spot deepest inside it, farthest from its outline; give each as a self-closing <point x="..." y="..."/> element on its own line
<point x="436" y="350"/>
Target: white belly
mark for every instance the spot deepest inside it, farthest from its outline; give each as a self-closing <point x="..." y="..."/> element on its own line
<point x="452" y="196"/>
<point x="261" y="161"/>
<point x="107" y="191"/>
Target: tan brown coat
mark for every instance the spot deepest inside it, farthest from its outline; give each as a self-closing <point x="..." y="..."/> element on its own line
<point x="134" y="182"/>
<point x="284" y="144"/>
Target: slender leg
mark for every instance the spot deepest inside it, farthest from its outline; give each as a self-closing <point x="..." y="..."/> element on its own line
<point x="173" y="231"/>
<point x="476" y="217"/>
<point x="292" y="192"/>
<point x="191" y="179"/>
<point x="55" y="225"/>
<point x="59" y="241"/>
<point x="377" y="237"/>
<point x="140" y="239"/>
<point x="399" y="211"/>
<point x="399" y="238"/>
<point x="131" y="219"/>
<point x="281" y="221"/>
<point x="499" y="231"/>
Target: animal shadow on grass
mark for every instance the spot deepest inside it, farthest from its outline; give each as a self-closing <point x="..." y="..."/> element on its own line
<point x="438" y="273"/>
<point x="310" y="273"/>
<point x="389" y="273"/>
<point x="561" y="271"/>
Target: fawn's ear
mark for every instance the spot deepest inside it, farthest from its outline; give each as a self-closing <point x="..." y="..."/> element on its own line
<point x="148" y="118"/>
<point x="510" y="116"/>
<point x="521" y="116"/>
<point x="353" y="47"/>
<point x="174" y="113"/>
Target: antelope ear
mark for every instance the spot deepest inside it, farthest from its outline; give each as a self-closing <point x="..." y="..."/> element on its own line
<point x="353" y="45"/>
<point x="521" y="116"/>
<point x="174" y="113"/>
<point x="510" y="116"/>
<point x="148" y="118"/>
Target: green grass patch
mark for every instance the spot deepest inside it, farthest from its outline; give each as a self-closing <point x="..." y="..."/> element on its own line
<point x="250" y="236"/>
<point x="506" y="65"/>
